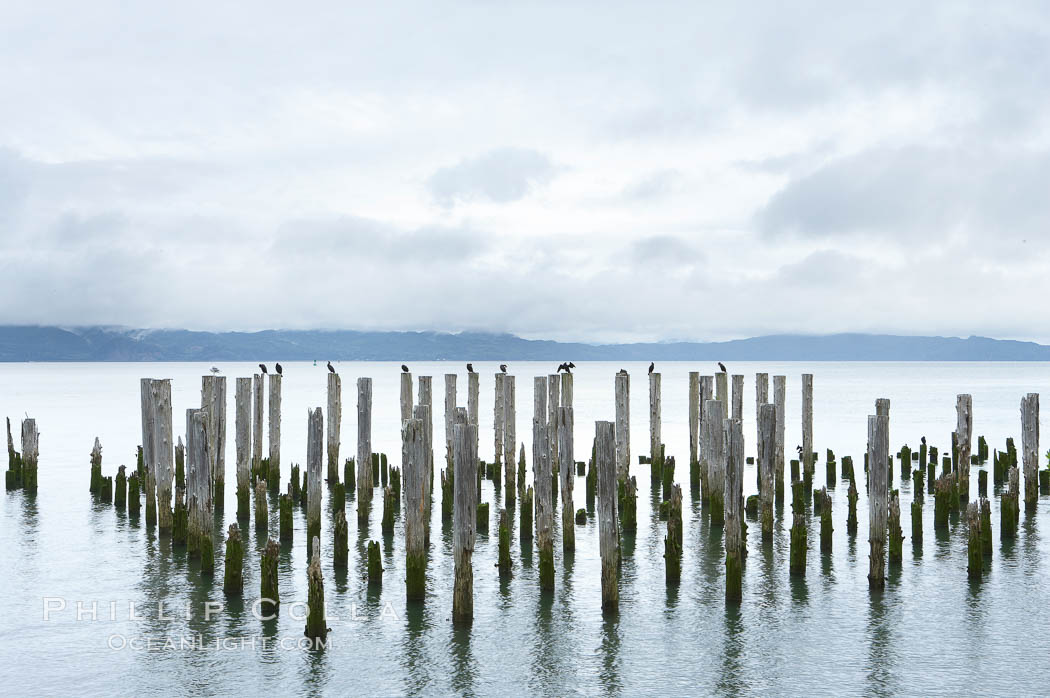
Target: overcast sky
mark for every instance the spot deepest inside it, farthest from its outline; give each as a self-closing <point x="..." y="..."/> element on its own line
<point x="586" y="171"/>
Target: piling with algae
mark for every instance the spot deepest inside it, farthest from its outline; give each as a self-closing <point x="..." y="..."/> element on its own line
<point x="233" y="579"/>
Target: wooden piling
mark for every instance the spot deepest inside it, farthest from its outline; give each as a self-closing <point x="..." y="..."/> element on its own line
<point x="553" y="404"/>
<point x="497" y="424"/>
<point x="473" y="402"/>
<point x="198" y="488"/>
<point x="415" y="471"/>
<point x="316" y="626"/>
<point x="233" y="578"/>
<point x="799" y="545"/>
<point x="986" y="525"/>
<point x="916" y="507"/>
<point x="964" y="420"/>
<point x="1030" y="447"/>
<point x="213" y="402"/>
<point x="694" y="428"/>
<point x="878" y="478"/>
<point x="243" y="440"/>
<point x="364" y="449"/>
<point x="541" y="475"/>
<point x="767" y="426"/>
<point x="148" y="434"/>
<point x="262" y="514"/>
<point x="1009" y="511"/>
<point x="375" y="564"/>
<point x="389" y="507"/>
<point x="826" y="528"/>
<point x="120" y="498"/>
<point x="715" y="455"/>
<point x="284" y="513"/>
<point x="974" y="554"/>
<point x="450" y="412"/>
<point x="779" y="401"/>
<point x="567" y="454"/>
<point x="464" y="524"/>
<point x="896" y="552"/>
<point x="340" y="542"/>
<point x="510" y="435"/>
<point x="163" y="454"/>
<point x="426" y="399"/>
<point x="608" y="543"/>
<point x="673" y="540"/>
<point x="96" y="467"/>
<point x="722" y="392"/>
<point x="807" y="426"/>
<point x="734" y="496"/>
<point x="259" y="396"/>
<point x="133" y="494"/>
<point x="273" y="476"/>
<point x="504" y="561"/>
<point x="335" y="420"/>
<point x="623" y="425"/>
<point x="268" y="586"/>
<point x="406" y="396"/>
<point x="738" y="397"/>
<point x="314" y="448"/>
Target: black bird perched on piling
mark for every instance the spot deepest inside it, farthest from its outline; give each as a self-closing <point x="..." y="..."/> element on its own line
<point x="923" y="441"/>
<point x="404" y="369"/>
<point x="263" y="367"/>
<point x="279" y="371"/>
<point x="722" y="366"/>
<point x="622" y="372"/>
<point x="470" y="368"/>
<point x="503" y="368"/>
<point x="571" y="365"/>
<point x="563" y="367"/>
<point x="799" y="449"/>
<point x="330" y="368"/>
<point x="652" y="366"/>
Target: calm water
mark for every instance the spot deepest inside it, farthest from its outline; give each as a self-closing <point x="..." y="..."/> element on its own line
<point x="930" y="632"/>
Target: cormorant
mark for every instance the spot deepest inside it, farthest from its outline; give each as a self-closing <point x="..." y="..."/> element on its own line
<point x="503" y="368"/>
<point x="622" y="372"/>
<point x="263" y="367"/>
<point x="924" y="441"/>
<point x="404" y="369"/>
<point x="561" y="367"/>
<point x="722" y="366"/>
<point x="470" y="368"/>
<point x="572" y="365"/>
<point x="652" y="366"/>
<point x="279" y="371"/>
<point x="330" y="368"/>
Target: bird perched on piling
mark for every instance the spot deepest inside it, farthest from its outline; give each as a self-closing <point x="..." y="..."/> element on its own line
<point x="263" y="367"/>
<point x="470" y="368"/>
<point x="652" y="367"/>
<point x="404" y="369"/>
<point x="722" y="367"/>
<point x="279" y="371"/>
<point x="503" y="368"/>
<point x="571" y="365"/>
<point x="622" y="372"/>
<point x="923" y="441"/>
<point x="799" y="449"/>
<point x="214" y="369"/>
<point x="563" y="367"/>
<point x="331" y="369"/>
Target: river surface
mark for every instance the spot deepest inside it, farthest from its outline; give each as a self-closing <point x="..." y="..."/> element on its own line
<point x="161" y="628"/>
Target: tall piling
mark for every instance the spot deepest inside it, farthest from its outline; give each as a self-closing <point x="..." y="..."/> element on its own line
<point x="464" y="521"/>
<point x="706" y="393"/>
<point x="148" y="434"/>
<point x="422" y="413"/>
<point x="623" y="425"/>
<point x="364" y="449"/>
<point x="878" y="478"/>
<point x="473" y="402"/>
<point x="734" y="496"/>
<point x="406" y="396"/>
<point x="213" y="401"/>
<point x="335" y="420"/>
<point x="964" y="428"/>
<point x="163" y="450"/>
<point x="780" y="402"/>
<point x="426" y="399"/>
<point x="510" y="435"/>
<point x="567" y="474"/>
<point x="415" y="471"/>
<point x="258" y="399"/>
<point x="198" y="490"/>
<point x="273" y="477"/>
<point x="807" y="425"/>
<point x="722" y="392"/>
<point x="1030" y="447"/>
<point x="608" y="543"/>
<point x="767" y="426"/>
<point x="715" y="454"/>
<point x="450" y="414"/>
<point x="541" y="475"/>
<point x="497" y="424"/>
<point x="738" y="397"/>
<point x="673" y="539"/>
<point x="314" y="447"/>
<point x="243" y="439"/>
<point x="655" y="428"/>
<point x="553" y="403"/>
<point x="694" y="427"/>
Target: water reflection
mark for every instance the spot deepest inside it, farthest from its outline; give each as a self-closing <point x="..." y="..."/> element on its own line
<point x="731" y="676"/>
<point x="414" y="656"/>
<point x="609" y="653"/>
<point x="464" y="665"/>
<point x="879" y="670"/>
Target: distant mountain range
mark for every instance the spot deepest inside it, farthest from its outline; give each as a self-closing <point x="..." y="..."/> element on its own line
<point x="31" y="343"/>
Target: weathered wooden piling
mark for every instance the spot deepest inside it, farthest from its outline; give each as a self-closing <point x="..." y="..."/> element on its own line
<point x="473" y="399"/>
<point x="623" y="425"/>
<point x="767" y="444"/>
<point x="415" y="472"/>
<point x="258" y="399"/>
<point x="779" y="401"/>
<point x="964" y="429"/>
<point x="974" y="553"/>
<point x="1009" y="510"/>
<point x="316" y="625"/>
<point x="706" y="393"/>
<point x="425" y="397"/>
<point x="450" y="412"/>
<point x="807" y="426"/>
<point x="96" y="467"/>
<point x="986" y="525"/>
<point x="120" y="498"/>
<point x="106" y="489"/>
<point x="286" y="530"/>
<point x="655" y="427"/>
<point x="335" y="420"/>
<point x="503" y="560"/>
<point x="497" y="424"/>
<point x="133" y="494"/>
<point x="916" y="507"/>
<point x="553" y="404"/>
<point x="896" y="553"/>
<point x="163" y="454"/>
<point x="541" y="475"/>
<point x="799" y="545"/>
<point x="364" y="449"/>
<point x="715" y="455"/>
<point x="375" y="564"/>
<point x="243" y="443"/>
<point x="314" y="448"/>
<point x="262" y="514"/>
<point x="269" y="592"/>
<point x="673" y="540"/>
<point x="738" y="397"/>
<point x="213" y="402"/>
<point x="464" y="524"/>
<point x="406" y="396"/>
<point x="340" y="541"/>
<point x="734" y="499"/>
<point x="526" y="515"/>
<point x="148" y="471"/>
<point x="233" y="578"/>
<point x="826" y="528"/>
<point x="273" y="476"/>
<point x="567" y="454"/>
<point x="1030" y="447"/>
<point x="30" y="454"/>
<point x="198" y="489"/>
<point x="694" y="428"/>
<point x="722" y="391"/>
<point x="878" y="479"/>
<point x="510" y="434"/>
<point x="608" y="537"/>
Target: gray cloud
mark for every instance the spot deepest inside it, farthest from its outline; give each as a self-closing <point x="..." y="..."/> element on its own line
<point x="654" y="185"/>
<point x="502" y="175"/>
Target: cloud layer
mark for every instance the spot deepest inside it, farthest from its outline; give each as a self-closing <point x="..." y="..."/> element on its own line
<point x="581" y="173"/>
